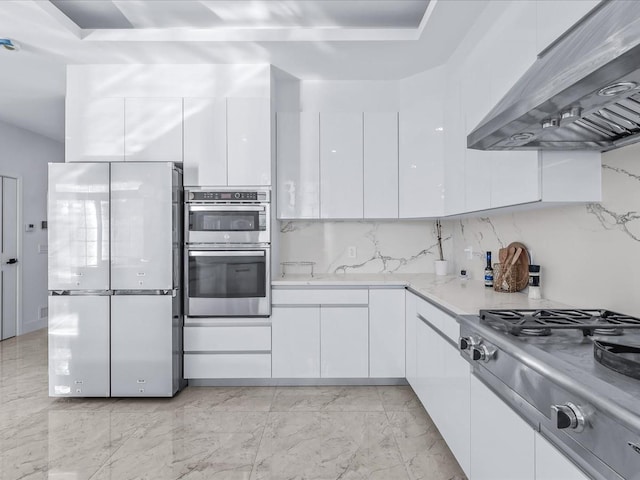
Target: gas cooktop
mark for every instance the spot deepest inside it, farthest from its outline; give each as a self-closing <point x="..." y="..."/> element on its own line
<point x="542" y="322"/>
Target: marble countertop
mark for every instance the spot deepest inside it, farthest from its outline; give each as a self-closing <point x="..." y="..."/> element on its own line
<point x="460" y="297"/>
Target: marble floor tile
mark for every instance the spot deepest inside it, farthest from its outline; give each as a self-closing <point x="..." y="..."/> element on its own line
<point x="211" y="433"/>
<point x="327" y="399"/>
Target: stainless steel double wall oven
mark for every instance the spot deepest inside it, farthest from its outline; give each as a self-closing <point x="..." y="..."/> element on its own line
<point x="228" y="252"/>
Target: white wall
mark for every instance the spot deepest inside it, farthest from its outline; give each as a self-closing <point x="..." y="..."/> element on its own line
<point x="590" y="254"/>
<point x="25" y="155"/>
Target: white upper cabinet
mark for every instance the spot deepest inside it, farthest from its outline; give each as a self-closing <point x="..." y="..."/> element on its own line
<point x="248" y="141"/>
<point x="153" y="129"/>
<point x="341" y="165"/>
<point x="205" y="141"/>
<point x="386" y="333"/>
<point x="298" y="145"/>
<point x="554" y="17"/>
<point x="380" y="165"/>
<point x="95" y="130"/>
<point x="141" y="226"/>
<point x="421" y="147"/>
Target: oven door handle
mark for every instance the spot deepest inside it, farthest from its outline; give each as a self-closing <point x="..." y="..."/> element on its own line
<point x="227" y="253"/>
<point x="225" y="208"/>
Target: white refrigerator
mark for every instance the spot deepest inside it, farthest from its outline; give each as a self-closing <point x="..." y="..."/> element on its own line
<point x="115" y="320"/>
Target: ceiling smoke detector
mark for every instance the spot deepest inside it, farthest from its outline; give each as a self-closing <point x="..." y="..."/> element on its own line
<point x="9" y="44"/>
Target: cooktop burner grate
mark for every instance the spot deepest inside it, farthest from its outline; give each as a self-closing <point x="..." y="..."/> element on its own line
<point x="529" y="321"/>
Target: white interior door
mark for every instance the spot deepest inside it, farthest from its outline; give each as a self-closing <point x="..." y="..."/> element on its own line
<point x="9" y="258"/>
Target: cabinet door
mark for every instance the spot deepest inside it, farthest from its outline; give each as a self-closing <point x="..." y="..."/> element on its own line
<point x="95" y="130"/>
<point x="344" y="342"/>
<point x="429" y="367"/>
<point x="79" y="346"/>
<point x="503" y="443"/>
<point x="298" y="137"/>
<point x="341" y="163"/>
<point x="515" y="179"/>
<point x="295" y="342"/>
<point x="249" y="141"/>
<point x="553" y="465"/>
<point x="386" y="333"/>
<point x="141" y="226"/>
<point x="205" y="142"/>
<point x="380" y="165"/>
<point x="153" y="129"/>
<point x="410" y="338"/>
<point x="78" y="212"/>
<point x="141" y="346"/>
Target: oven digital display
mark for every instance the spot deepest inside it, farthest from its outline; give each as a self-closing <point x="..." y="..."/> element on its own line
<point x="225" y="196"/>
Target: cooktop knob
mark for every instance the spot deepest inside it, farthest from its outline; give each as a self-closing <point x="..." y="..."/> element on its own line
<point x="464" y="343"/>
<point x="482" y="352"/>
<point x="568" y="416"/>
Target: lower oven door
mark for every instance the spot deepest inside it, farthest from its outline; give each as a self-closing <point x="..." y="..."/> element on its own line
<point x="228" y="282"/>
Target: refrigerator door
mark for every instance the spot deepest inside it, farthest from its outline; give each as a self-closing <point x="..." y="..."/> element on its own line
<point x="142" y="226"/>
<point x="145" y="346"/>
<point x="78" y="216"/>
<point x="78" y="346"/>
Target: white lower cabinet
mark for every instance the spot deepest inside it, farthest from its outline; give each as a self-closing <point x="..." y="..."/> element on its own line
<point x="410" y="338"/>
<point x="344" y="342"/>
<point x="502" y="443"/>
<point x="386" y="333"/>
<point x="206" y="366"/>
<point x="553" y="465"/>
<point x="296" y="342"/>
<point x="442" y="381"/>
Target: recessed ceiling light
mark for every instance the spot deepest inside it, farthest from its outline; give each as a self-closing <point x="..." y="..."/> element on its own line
<point x="616" y="89"/>
<point x="9" y="44"/>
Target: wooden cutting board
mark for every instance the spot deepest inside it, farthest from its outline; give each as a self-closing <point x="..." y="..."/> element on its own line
<point x="522" y="264"/>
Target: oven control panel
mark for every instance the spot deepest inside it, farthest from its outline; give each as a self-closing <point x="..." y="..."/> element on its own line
<point x="227" y="196"/>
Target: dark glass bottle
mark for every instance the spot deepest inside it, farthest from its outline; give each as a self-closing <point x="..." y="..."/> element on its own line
<point x="488" y="272"/>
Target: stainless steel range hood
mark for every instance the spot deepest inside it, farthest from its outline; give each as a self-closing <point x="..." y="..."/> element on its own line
<point x="583" y="91"/>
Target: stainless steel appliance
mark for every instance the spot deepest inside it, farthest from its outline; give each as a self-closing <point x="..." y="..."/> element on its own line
<point x="115" y="323"/>
<point x="233" y="280"/>
<point x="228" y="216"/>
<point x="544" y="364"/>
<point x="581" y="93"/>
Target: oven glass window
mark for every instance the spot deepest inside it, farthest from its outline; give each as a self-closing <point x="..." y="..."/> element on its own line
<point x="227" y="276"/>
<point x="224" y="221"/>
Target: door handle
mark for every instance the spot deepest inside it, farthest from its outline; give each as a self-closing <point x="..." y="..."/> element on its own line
<point x="11" y="261"/>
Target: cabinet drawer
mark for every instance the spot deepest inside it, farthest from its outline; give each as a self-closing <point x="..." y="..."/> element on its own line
<point x="329" y="296"/>
<point x="224" y="365"/>
<point x="439" y="319"/>
<point x="227" y="338"/>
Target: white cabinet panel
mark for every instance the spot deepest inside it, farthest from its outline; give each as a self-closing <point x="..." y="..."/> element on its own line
<point x="249" y="141"/>
<point x="554" y="17"/>
<point x="296" y="342"/>
<point x="95" y="130"/>
<point x="421" y="163"/>
<point x="341" y="164"/>
<point x="153" y="129"/>
<point x="205" y="141"/>
<point x="141" y="226"/>
<point x="502" y="443"/>
<point x="219" y="365"/>
<point x="78" y="212"/>
<point x="455" y="143"/>
<point x="298" y="145"/>
<point x="344" y="342"/>
<point x="410" y="338"/>
<point x="515" y="179"/>
<point x="79" y="346"/>
<point x="380" y="165"/>
<point x="141" y="346"/>
<point x="224" y="338"/>
<point x="386" y="333"/>
<point x="553" y="465"/>
<point x="320" y="296"/>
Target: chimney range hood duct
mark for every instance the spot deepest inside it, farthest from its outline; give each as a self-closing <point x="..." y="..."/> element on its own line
<point x="582" y="93"/>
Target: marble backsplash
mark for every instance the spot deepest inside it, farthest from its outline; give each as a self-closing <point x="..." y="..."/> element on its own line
<point x="589" y="254"/>
<point x="381" y="247"/>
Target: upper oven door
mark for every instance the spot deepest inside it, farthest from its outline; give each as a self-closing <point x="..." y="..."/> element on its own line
<point x="228" y="282"/>
<point x="227" y="223"/>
